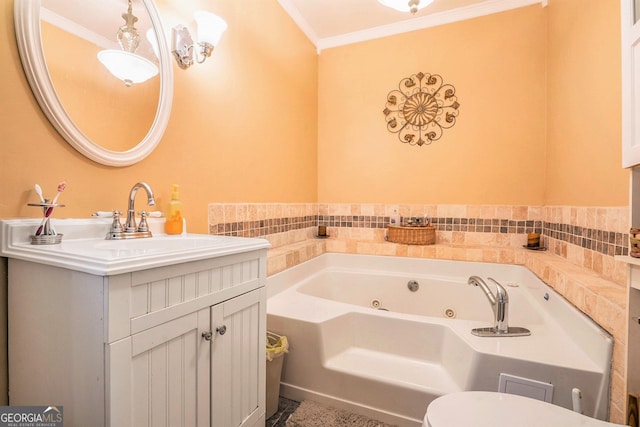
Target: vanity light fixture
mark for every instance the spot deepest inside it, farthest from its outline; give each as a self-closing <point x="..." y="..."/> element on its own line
<point x="185" y="50"/>
<point x="124" y="63"/>
<point x="406" y="5"/>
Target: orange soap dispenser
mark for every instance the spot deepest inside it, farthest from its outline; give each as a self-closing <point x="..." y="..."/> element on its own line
<point x="174" y="222"/>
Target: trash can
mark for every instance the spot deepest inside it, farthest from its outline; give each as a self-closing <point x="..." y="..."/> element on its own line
<point x="277" y="346"/>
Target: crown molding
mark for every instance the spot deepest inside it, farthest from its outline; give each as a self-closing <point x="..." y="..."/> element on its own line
<point x="302" y="23"/>
<point x="484" y="8"/>
<point x="76" y="29"/>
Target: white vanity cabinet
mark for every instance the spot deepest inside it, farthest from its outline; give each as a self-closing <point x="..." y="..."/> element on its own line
<point x="177" y="345"/>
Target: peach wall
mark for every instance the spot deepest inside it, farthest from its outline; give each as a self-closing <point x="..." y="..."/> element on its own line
<point x="539" y="120"/>
<point x="584" y="105"/>
<point x="495" y="153"/>
<point x="243" y="125"/>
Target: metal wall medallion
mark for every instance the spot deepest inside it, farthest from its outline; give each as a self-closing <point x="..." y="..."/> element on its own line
<point x="421" y="108"/>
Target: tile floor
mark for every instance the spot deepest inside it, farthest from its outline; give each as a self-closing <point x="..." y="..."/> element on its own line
<point x="285" y="408"/>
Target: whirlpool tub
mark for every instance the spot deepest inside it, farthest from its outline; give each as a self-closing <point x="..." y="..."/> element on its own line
<point x="384" y="336"/>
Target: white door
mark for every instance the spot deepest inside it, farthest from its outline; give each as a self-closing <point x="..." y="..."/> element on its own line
<point x="161" y="377"/>
<point x="630" y="16"/>
<point x="238" y="361"/>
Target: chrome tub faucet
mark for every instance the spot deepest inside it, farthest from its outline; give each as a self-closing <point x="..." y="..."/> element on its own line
<point x="500" y="306"/>
<point x="499" y="302"/>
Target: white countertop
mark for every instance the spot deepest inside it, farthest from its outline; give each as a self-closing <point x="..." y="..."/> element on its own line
<point x="84" y="248"/>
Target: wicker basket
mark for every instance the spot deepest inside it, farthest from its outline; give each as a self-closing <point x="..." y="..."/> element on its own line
<point x="412" y="235"/>
<point x="634" y="242"/>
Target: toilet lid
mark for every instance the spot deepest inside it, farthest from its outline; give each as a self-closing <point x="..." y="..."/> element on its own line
<point x="491" y="409"/>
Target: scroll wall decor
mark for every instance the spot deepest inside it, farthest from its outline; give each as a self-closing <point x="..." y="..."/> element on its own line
<point x="421" y="108"/>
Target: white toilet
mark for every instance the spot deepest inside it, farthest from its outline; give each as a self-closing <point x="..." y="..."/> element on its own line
<point x="493" y="409"/>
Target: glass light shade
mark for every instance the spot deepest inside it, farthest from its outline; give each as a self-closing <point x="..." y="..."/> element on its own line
<point x="128" y="67"/>
<point x="403" y="5"/>
<point x="210" y="27"/>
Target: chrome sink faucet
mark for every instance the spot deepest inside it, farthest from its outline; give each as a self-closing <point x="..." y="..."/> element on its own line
<point x="130" y="225"/>
<point x="130" y="229"/>
<point x="499" y="302"/>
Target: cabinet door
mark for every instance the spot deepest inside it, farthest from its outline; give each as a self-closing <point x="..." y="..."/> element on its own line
<point x="630" y="25"/>
<point x="161" y="376"/>
<point x="238" y="361"/>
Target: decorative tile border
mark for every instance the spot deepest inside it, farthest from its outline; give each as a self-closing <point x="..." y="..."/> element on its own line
<point x="588" y="237"/>
<point x="480" y="225"/>
<point x="280" y="225"/>
<point x="589" y="228"/>
<point x="488" y="225"/>
<point x="605" y="242"/>
<point x="263" y="227"/>
<point x="356" y="221"/>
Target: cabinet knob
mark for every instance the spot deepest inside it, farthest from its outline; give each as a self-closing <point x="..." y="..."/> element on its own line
<point x="222" y="329"/>
<point x="207" y="335"/>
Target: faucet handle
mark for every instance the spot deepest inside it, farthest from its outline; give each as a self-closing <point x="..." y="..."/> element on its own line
<point x="116" y="225"/>
<point x="144" y="226"/>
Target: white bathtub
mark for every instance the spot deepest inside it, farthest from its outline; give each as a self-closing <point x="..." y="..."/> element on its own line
<point x="390" y="363"/>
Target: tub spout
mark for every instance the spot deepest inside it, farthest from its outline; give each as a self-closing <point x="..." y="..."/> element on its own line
<point x="499" y="302"/>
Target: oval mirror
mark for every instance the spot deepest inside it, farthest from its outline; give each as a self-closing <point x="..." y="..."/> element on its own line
<point x="67" y="48"/>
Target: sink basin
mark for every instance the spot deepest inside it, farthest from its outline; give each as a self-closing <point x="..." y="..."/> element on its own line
<point x="156" y="244"/>
<point x="88" y="251"/>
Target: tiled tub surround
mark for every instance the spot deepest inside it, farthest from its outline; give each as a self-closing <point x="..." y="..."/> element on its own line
<point x="579" y="263"/>
<point x="289" y="227"/>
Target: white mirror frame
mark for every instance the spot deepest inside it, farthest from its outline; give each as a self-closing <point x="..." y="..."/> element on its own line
<point x="28" y="36"/>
